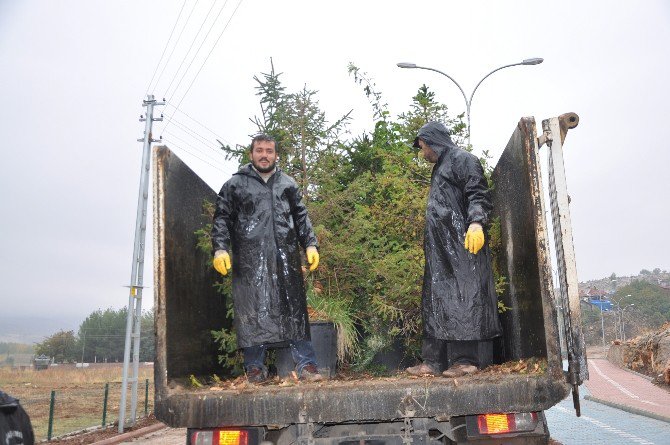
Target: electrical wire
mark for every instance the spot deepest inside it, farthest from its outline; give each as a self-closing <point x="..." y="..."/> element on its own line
<point x="205" y="61"/>
<point x="176" y="43"/>
<point x="197" y="34"/>
<point x="200" y="150"/>
<point x="198" y="122"/>
<point x="165" y="49"/>
<point x="172" y="144"/>
<point x="197" y="135"/>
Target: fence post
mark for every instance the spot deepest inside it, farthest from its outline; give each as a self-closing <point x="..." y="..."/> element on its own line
<point x="146" y="398"/>
<point x="51" y="414"/>
<point x="104" y="405"/>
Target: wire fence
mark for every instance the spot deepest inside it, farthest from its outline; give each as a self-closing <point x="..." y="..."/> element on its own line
<point x="75" y="406"/>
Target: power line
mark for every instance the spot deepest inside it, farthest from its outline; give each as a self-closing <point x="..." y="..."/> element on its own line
<point x="172" y="144"/>
<point x="197" y="122"/>
<point x="205" y="61"/>
<point x="165" y="49"/>
<point x="191" y="47"/>
<point x="197" y="135"/>
<point x="200" y="150"/>
<point x="177" y="41"/>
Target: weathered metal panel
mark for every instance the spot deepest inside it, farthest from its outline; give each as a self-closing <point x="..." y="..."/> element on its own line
<point x="187" y="306"/>
<point x="358" y="401"/>
<point x="530" y="327"/>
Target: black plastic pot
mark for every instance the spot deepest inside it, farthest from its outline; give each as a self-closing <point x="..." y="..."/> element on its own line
<point x="324" y="341"/>
<point x="393" y="358"/>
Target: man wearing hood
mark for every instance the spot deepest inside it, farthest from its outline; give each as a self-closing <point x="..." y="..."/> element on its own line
<point x="260" y="223"/>
<point x="459" y="302"/>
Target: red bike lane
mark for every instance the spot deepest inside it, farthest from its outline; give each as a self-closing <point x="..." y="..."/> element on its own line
<point x="626" y="390"/>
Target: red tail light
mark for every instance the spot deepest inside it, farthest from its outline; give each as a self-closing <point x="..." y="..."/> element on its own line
<point x="220" y="437"/>
<point x="506" y="423"/>
<point x="230" y="437"/>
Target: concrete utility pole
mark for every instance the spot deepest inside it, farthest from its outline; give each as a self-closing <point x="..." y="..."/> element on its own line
<point x="134" y="321"/>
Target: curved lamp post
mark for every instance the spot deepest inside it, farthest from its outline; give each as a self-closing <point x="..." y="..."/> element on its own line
<point x="620" y="314"/>
<point x="468" y="102"/>
<point x="623" y="326"/>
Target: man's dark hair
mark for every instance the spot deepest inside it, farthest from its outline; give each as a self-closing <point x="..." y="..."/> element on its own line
<point x="262" y="137"/>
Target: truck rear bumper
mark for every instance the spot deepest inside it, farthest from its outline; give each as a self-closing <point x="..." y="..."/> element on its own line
<point x="415" y="431"/>
<point x="376" y="400"/>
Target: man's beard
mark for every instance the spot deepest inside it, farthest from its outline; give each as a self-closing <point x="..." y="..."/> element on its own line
<point x="267" y="169"/>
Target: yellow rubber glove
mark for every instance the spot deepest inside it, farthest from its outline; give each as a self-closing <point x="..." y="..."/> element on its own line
<point x="312" y="257"/>
<point x="474" y="239"/>
<point x="222" y="262"/>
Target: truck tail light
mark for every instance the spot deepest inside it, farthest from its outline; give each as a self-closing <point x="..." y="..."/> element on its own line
<point x="219" y="437"/>
<point x="506" y="423"/>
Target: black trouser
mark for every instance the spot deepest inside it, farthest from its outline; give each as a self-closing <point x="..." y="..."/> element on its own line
<point x="441" y="354"/>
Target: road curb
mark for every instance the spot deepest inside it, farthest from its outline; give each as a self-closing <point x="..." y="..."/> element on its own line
<point x="131" y="434"/>
<point x="629" y="409"/>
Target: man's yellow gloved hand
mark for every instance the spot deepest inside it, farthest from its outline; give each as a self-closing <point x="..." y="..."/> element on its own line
<point x="312" y="257"/>
<point x="474" y="239"/>
<point x="222" y="262"/>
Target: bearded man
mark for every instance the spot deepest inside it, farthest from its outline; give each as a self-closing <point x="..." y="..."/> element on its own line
<point x="260" y="224"/>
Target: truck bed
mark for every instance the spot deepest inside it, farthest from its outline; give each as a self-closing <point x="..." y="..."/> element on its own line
<point x="187" y="308"/>
<point x="360" y="400"/>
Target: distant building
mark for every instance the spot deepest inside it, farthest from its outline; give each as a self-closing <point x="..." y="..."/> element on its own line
<point x="598" y="298"/>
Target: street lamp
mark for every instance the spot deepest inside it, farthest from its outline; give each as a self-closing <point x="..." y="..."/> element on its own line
<point x="602" y="325"/>
<point x="623" y="326"/>
<point x="468" y="102"/>
<point x="619" y="311"/>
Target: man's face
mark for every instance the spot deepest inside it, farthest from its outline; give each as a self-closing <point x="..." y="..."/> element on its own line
<point x="427" y="152"/>
<point x="264" y="156"/>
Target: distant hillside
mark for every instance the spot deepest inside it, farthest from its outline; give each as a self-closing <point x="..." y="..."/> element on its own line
<point x="611" y="284"/>
<point x="29" y="329"/>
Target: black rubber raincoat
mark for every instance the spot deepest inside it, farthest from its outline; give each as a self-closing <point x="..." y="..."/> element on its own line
<point x="263" y="226"/>
<point x="15" y="426"/>
<point x="459" y="299"/>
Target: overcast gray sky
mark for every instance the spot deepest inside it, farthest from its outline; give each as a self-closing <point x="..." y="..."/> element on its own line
<point x="74" y="74"/>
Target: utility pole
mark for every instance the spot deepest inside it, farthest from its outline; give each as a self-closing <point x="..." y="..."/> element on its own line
<point x="134" y="321"/>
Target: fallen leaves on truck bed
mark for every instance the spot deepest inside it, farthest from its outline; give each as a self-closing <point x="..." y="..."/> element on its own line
<point x="216" y="383"/>
<point x="524" y="366"/>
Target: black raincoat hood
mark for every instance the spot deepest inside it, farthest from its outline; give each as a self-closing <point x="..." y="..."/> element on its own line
<point x="437" y="136"/>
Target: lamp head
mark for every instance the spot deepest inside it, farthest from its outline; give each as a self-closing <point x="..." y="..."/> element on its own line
<point x="406" y="65"/>
<point x="533" y="61"/>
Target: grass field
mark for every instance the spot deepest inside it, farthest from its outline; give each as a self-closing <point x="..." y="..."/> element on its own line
<point x="79" y="395"/>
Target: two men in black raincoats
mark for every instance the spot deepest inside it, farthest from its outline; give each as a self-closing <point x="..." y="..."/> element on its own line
<point x="459" y="301"/>
<point x="260" y="224"/>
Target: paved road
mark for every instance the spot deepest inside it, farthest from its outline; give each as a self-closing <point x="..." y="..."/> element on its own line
<point x="603" y="424"/>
